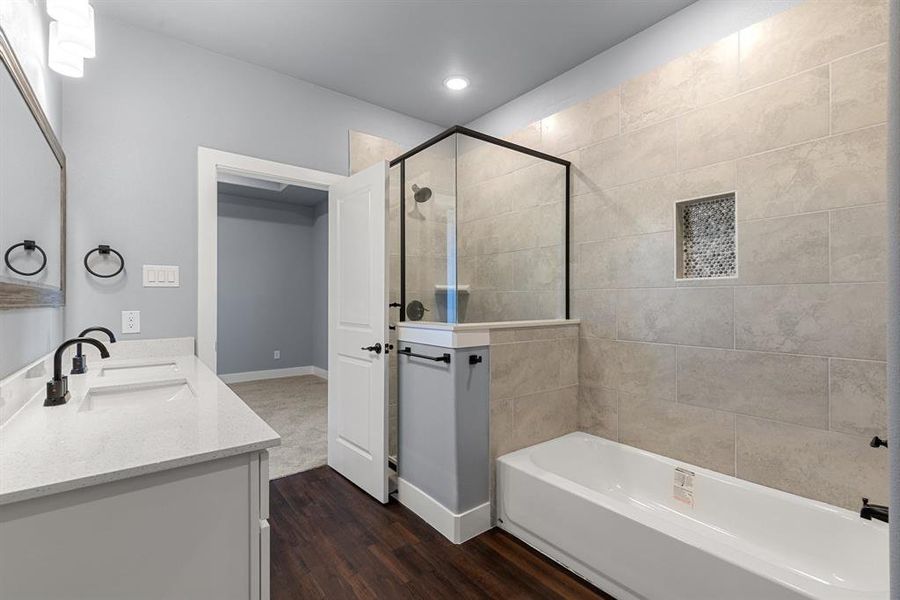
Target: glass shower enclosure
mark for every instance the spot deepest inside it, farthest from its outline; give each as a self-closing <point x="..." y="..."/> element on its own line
<point x="479" y="231"/>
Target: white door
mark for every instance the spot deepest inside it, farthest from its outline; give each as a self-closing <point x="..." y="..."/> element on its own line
<point x="358" y="330"/>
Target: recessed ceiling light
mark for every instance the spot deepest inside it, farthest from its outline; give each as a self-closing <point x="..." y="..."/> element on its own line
<point x="456" y="83"/>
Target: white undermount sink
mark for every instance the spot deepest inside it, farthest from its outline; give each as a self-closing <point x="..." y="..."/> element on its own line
<point x="142" y="370"/>
<point x="137" y="394"/>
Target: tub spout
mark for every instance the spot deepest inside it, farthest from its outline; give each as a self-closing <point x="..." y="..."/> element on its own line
<point x="873" y="511"/>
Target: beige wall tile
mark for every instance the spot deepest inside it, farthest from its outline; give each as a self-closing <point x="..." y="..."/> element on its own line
<point x="529" y="136"/>
<point x="545" y="415"/>
<point x="503" y="431"/>
<point x="568" y="361"/>
<point x="688" y="82"/>
<point x="841" y="171"/>
<point x="711" y="180"/>
<point x="697" y="317"/>
<point x="858" y="397"/>
<point x="598" y="363"/>
<point x="641" y="154"/>
<point x="810" y="34"/>
<point x="777" y="386"/>
<point x="367" y="149"/>
<point x="859" y="244"/>
<point x="645" y="206"/>
<point x="538" y="269"/>
<point x="636" y="261"/>
<point x="823" y="465"/>
<point x="846" y="320"/>
<point x="597" y="311"/>
<point x="524" y="367"/>
<point x="784" y="250"/>
<point x="598" y="410"/>
<point x="859" y="90"/>
<point x="783" y="113"/>
<point x="594" y="217"/>
<point x="585" y="123"/>
<point x="645" y="369"/>
<point x="700" y="436"/>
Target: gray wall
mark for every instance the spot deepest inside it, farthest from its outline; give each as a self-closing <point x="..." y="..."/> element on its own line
<point x="696" y="26"/>
<point x="30" y="333"/>
<point x="133" y="124"/>
<point x="268" y="288"/>
<point x="320" y="287"/>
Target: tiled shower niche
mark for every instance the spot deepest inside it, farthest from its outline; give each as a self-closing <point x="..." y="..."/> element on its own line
<point x="706" y="238"/>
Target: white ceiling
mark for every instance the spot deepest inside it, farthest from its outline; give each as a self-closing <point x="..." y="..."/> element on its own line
<point x="396" y="53"/>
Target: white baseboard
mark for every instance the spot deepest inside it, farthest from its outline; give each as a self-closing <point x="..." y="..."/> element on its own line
<point x="272" y="374"/>
<point x="455" y="527"/>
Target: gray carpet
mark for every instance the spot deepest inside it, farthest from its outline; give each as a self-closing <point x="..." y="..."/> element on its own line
<point x="297" y="408"/>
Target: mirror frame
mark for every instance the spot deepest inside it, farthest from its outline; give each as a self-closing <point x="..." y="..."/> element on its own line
<point x="23" y="295"/>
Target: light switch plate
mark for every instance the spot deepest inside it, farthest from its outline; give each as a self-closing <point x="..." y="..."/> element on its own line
<point x="131" y="321"/>
<point x="161" y="276"/>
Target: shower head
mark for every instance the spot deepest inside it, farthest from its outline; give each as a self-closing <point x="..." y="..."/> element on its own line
<point x="421" y="194"/>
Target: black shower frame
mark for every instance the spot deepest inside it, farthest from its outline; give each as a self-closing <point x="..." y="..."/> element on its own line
<point x="459" y="129"/>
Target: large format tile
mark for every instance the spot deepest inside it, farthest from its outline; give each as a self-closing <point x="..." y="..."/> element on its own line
<point x="784" y="250"/>
<point x="634" y="261"/>
<point x="366" y="150"/>
<point x="503" y="429"/>
<point x="823" y="465"/>
<point x="859" y="90"/>
<point x="858" y="397"/>
<point x="644" y="207"/>
<point x="632" y="367"/>
<point x="593" y="217"/>
<point x="840" y="171"/>
<point x="688" y="82"/>
<point x="597" y="311"/>
<point x="700" y="436"/>
<point x="783" y="113"/>
<point x="697" y="317"/>
<point x="585" y="123"/>
<point x="641" y="154"/>
<point x="598" y="410"/>
<point x="538" y="269"/>
<point x="859" y="244"/>
<point x="524" y="367"/>
<point x="545" y="415"/>
<point x="843" y="320"/>
<point x="777" y="386"/>
<point x="810" y="34"/>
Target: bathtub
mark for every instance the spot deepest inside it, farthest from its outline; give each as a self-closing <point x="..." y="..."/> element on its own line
<point x="609" y="513"/>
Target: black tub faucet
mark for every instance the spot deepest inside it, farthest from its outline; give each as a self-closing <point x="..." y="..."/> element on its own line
<point x="58" y="387"/>
<point x="79" y="361"/>
<point x="873" y="511"/>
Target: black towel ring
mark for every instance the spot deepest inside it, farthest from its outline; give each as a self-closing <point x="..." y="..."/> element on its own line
<point x="28" y="246"/>
<point x="104" y="250"/>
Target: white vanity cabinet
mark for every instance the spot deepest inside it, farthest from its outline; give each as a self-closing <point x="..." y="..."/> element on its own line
<point x="194" y="532"/>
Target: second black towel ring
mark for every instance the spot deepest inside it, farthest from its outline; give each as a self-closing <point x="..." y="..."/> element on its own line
<point x="104" y="250"/>
<point x="28" y="246"/>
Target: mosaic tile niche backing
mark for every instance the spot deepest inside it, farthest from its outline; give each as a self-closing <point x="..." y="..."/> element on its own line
<point x="707" y="238"/>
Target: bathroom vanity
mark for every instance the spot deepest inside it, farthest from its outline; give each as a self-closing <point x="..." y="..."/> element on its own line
<point x="150" y="482"/>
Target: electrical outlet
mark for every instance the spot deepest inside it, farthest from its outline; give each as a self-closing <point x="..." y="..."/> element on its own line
<point x="131" y="321"/>
<point x="276" y="355"/>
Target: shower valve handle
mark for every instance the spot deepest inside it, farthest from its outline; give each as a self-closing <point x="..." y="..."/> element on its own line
<point x="376" y="348"/>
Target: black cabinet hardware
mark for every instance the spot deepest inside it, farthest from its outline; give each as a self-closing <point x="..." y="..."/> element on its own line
<point x="474" y="359"/>
<point x="28" y="246"/>
<point x="445" y="357"/>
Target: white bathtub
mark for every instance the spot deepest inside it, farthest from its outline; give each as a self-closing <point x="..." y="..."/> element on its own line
<point x="607" y="512"/>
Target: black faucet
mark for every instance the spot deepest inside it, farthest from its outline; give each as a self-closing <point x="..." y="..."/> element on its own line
<point x="79" y="361"/>
<point x="873" y="511"/>
<point x="58" y="387"/>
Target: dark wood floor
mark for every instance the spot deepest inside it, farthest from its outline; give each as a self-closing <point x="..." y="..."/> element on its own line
<point x="331" y="540"/>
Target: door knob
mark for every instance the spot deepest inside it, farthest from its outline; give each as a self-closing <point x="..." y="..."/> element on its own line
<point x="376" y="348"/>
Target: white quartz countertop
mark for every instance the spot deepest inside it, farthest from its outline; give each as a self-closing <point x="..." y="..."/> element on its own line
<point x="47" y="450"/>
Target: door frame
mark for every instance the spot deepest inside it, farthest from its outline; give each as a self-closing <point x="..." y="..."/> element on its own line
<point x="210" y="163"/>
